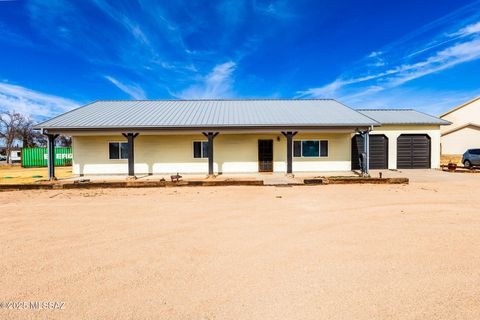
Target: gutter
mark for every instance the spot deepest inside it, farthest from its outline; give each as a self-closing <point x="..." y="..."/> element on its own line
<point x="202" y="128"/>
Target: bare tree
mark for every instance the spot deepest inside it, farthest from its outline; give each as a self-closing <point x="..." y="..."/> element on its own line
<point x="9" y="126"/>
<point x="29" y="136"/>
<point x="65" y="141"/>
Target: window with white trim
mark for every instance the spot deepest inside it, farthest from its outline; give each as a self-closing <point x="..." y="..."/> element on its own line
<point x="200" y="149"/>
<point x="310" y="148"/>
<point x="117" y="150"/>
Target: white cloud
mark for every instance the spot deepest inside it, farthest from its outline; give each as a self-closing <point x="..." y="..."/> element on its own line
<point x="429" y="101"/>
<point x="133" y="90"/>
<point x="217" y="84"/>
<point x="131" y="26"/>
<point x="398" y="75"/>
<point x="32" y="103"/>
<point x="468" y="30"/>
<point x="374" y="54"/>
<point x="447" y="58"/>
<point x="438" y="46"/>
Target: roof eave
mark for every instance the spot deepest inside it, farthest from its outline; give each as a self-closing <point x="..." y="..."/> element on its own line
<point x="210" y="127"/>
<point x="417" y="123"/>
<point x="459" y="107"/>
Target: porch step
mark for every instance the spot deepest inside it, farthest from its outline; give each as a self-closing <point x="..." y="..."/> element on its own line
<point x="274" y="180"/>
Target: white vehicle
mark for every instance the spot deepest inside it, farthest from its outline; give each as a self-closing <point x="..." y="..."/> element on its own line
<point x="15" y="156"/>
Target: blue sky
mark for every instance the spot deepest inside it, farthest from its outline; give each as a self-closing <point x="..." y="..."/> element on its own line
<point x="55" y="55"/>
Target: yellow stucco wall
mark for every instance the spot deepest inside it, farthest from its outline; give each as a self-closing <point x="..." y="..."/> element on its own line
<point x="393" y="132"/>
<point x="233" y="153"/>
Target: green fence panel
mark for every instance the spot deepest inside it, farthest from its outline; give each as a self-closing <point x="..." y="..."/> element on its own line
<point x="38" y="157"/>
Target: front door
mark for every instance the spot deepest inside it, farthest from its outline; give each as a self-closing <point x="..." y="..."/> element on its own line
<point x="265" y="155"/>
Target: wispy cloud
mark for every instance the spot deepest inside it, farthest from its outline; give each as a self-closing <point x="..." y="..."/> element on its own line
<point x="440" y="45"/>
<point x="398" y="75"/>
<point x="33" y="103"/>
<point x="217" y="84"/>
<point x="164" y="45"/>
<point x="133" y="90"/>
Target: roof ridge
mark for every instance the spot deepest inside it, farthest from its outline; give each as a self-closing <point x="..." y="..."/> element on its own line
<point x="386" y="109"/>
<point x="224" y="99"/>
<point x="459" y="107"/>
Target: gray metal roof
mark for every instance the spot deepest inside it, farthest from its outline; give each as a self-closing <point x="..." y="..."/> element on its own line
<point x="184" y="114"/>
<point x="402" y="116"/>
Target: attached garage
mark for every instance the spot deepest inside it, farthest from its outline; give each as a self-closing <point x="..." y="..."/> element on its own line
<point x="413" y="151"/>
<point x="412" y="138"/>
<point x="378" y="151"/>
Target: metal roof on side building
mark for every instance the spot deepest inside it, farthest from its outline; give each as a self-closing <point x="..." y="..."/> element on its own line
<point x="402" y="117"/>
<point x="183" y="114"/>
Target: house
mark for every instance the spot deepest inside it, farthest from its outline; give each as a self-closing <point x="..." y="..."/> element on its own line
<point x="242" y="136"/>
<point x="464" y="133"/>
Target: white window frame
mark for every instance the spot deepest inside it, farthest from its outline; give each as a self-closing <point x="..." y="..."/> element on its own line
<point x="319" y="148"/>
<point x="203" y="157"/>
<point x="119" y="150"/>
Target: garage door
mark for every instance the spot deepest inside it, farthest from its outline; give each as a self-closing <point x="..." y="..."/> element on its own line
<point x="413" y="151"/>
<point x="378" y="151"/>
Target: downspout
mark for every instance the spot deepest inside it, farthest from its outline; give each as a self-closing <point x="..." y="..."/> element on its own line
<point x="365" y="156"/>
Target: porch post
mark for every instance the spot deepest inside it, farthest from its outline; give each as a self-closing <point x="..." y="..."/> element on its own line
<point x="289" y="135"/>
<point x="131" y="152"/>
<point x="210" y="136"/>
<point x="51" y="156"/>
<point x="367" y="152"/>
<point x="365" y="167"/>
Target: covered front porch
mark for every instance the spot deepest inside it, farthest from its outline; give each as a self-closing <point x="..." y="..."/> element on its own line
<point x="221" y="153"/>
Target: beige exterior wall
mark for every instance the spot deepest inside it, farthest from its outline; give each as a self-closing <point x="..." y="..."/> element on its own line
<point x="458" y="141"/>
<point x="468" y="114"/>
<point x="233" y="153"/>
<point x="393" y="132"/>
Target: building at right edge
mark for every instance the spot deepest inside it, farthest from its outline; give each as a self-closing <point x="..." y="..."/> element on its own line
<point x="464" y="131"/>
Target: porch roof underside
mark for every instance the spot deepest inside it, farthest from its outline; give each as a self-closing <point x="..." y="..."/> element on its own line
<point x="205" y="115"/>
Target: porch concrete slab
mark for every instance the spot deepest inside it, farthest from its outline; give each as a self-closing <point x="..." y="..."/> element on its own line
<point x="268" y="178"/>
<point x="325" y="174"/>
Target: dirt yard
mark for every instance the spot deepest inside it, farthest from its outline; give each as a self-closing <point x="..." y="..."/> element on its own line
<point x="322" y="252"/>
<point x="12" y="174"/>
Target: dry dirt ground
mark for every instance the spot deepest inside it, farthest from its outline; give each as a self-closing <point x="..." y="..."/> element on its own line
<point x="318" y="252"/>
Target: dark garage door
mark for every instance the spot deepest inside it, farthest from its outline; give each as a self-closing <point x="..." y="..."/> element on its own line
<point x="378" y="151"/>
<point x="413" y="151"/>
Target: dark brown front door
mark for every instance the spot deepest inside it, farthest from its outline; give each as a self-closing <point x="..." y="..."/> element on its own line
<point x="265" y="155"/>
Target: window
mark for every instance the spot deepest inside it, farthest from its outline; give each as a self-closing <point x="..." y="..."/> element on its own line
<point x="310" y="148"/>
<point x="200" y="149"/>
<point x="117" y="150"/>
<point x="475" y="151"/>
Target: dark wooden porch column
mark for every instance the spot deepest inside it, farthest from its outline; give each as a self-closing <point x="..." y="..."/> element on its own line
<point x="289" y="135"/>
<point x="210" y="136"/>
<point x="131" y="152"/>
<point x="51" y="156"/>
